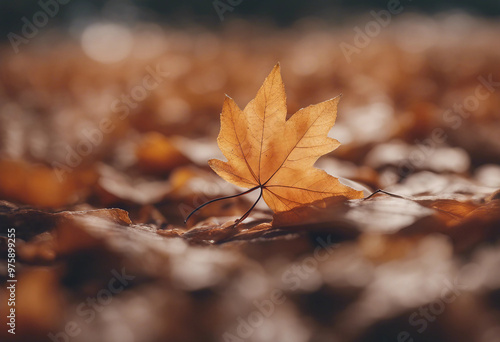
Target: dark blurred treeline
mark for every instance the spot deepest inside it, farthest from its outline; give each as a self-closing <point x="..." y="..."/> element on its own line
<point x="181" y="12"/>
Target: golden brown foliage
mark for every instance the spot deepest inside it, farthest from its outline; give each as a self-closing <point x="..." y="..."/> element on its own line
<point x="277" y="155"/>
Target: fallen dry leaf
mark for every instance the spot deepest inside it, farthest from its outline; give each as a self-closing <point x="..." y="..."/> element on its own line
<point x="139" y="190"/>
<point x="156" y="154"/>
<point x="268" y="152"/>
<point x="40" y="185"/>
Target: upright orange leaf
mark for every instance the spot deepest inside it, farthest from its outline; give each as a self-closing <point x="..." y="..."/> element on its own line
<point x="265" y="150"/>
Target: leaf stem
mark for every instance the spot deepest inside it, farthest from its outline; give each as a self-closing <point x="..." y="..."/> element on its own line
<point x="245" y="215"/>
<point x="223" y="198"/>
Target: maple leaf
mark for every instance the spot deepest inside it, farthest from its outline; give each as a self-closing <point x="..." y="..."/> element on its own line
<point x="266" y="151"/>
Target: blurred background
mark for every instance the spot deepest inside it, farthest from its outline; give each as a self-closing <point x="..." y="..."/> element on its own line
<point x="202" y="12"/>
<point x="116" y="104"/>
